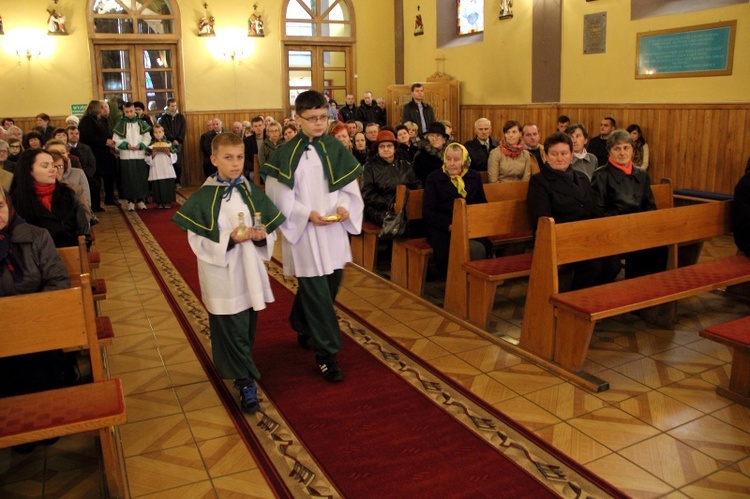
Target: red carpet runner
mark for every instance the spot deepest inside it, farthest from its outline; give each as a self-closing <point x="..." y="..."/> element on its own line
<point x="374" y="434"/>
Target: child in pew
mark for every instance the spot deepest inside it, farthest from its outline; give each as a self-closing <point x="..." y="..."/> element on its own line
<point x="29" y="263"/>
<point x="231" y="251"/>
<point x="312" y="179"/>
<point x="160" y="156"/>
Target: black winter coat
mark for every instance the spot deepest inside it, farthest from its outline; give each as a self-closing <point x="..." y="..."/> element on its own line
<point x="479" y="154"/>
<point x="65" y="222"/>
<point x="616" y="193"/>
<point x="379" y="182"/>
<point x="426" y="161"/>
<point x="555" y="195"/>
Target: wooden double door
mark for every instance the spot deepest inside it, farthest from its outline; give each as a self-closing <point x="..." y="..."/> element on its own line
<point x="325" y="68"/>
<point x="443" y="96"/>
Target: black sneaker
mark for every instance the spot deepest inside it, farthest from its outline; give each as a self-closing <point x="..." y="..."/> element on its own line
<point x="303" y="341"/>
<point x="329" y="368"/>
<point x="248" y="396"/>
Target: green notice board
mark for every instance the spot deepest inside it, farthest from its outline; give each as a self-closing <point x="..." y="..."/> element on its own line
<point x="78" y="109"/>
<point x="705" y="50"/>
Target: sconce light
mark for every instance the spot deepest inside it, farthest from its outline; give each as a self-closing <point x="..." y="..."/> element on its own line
<point x="231" y="44"/>
<point x="29" y="53"/>
<point x="29" y="43"/>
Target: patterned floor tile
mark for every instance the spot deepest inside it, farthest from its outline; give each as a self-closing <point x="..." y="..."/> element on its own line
<point x="725" y="484"/>
<point x="659" y="410"/>
<point x="177" y="354"/>
<point x="650" y="372"/>
<point x="81" y="482"/>
<point x="432" y="325"/>
<point x="459" y="341"/>
<point x="198" y="490"/>
<point x="130" y="361"/>
<point x="166" y="469"/>
<point x="612" y="358"/>
<point x="132" y="343"/>
<point x="645" y="343"/>
<point x="525" y="378"/>
<point x="716" y="438"/>
<point x="573" y="443"/>
<point x="425" y="349"/>
<point x="147" y="405"/>
<point x="743" y="466"/>
<point x="620" y="387"/>
<point x="454" y="367"/>
<point x="131" y="325"/>
<point x="186" y="373"/>
<point x="736" y="415"/>
<point x="628" y="477"/>
<point x="213" y="422"/>
<point x="245" y="485"/>
<point x="226" y="456"/>
<point x="144" y="381"/>
<point x="718" y="376"/>
<point x="527" y="413"/>
<point x="155" y="434"/>
<point x="197" y="396"/>
<point x="713" y="349"/>
<point x="696" y="393"/>
<point x="565" y="400"/>
<point x="670" y="460"/>
<point x="687" y="360"/>
<point x="489" y="389"/>
<point x="600" y="424"/>
<point x="490" y="358"/>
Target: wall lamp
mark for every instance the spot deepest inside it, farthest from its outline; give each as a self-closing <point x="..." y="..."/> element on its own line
<point x="28" y="43"/>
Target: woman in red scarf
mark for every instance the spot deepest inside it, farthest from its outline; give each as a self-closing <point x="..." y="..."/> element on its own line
<point x="619" y="188"/>
<point x="509" y="161"/>
<point x="43" y="201"/>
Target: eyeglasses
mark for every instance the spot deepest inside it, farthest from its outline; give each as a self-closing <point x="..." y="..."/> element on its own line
<point x="59" y="167"/>
<point x="315" y="119"/>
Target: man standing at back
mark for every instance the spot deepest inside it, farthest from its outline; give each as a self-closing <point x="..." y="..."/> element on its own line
<point x="349" y="111"/>
<point x="480" y="146"/>
<point x="417" y="111"/>
<point x="598" y="145"/>
<point x="205" y="146"/>
<point x="175" y="128"/>
<point x="368" y="110"/>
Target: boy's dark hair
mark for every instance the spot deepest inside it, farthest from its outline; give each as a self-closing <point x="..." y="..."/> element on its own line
<point x="309" y="99"/>
<point x="577" y="126"/>
<point x="611" y="120"/>
<point x="127" y="104"/>
<point x="416" y="85"/>
<point x="139" y="105"/>
<point x="171" y="100"/>
<point x="563" y="119"/>
<point x="558" y="138"/>
<point x="257" y="119"/>
<point x="226" y="139"/>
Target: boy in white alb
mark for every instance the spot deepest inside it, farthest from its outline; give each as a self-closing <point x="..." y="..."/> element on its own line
<point x="132" y="136"/>
<point x="160" y="158"/>
<point x="231" y="255"/>
<point x="313" y="180"/>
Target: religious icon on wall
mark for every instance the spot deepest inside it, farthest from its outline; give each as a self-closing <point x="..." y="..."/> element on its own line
<point x="418" y="26"/>
<point x="255" y="24"/>
<point x="206" y="23"/>
<point x="1" y="26"/>
<point x="506" y="7"/>
<point x="56" y="23"/>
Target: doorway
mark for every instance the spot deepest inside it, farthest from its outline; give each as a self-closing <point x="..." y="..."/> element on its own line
<point x="325" y="68"/>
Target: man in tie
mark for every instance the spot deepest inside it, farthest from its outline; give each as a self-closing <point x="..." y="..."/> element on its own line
<point x="417" y="111"/>
<point x="480" y="146"/>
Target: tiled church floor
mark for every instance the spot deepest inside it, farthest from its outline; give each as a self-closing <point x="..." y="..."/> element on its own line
<point x="660" y="430"/>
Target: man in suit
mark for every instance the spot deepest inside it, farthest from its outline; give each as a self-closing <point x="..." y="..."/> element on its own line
<point x="480" y="146"/>
<point x="88" y="164"/>
<point x="417" y="111"/>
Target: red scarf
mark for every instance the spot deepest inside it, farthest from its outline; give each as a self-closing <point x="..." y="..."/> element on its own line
<point x="44" y="193"/>
<point x="627" y="169"/>
<point x="509" y="150"/>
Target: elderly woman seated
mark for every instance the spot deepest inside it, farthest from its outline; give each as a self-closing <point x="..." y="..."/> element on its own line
<point x="29" y="263"/>
<point x="619" y="188"/>
<point x="443" y="186"/>
<point x="382" y="173"/>
<point x="6" y="166"/>
<point x="562" y="192"/>
<point x="273" y="141"/>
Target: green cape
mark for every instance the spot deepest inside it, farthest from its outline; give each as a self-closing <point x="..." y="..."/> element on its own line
<point x="339" y="165"/>
<point x="201" y="211"/>
<point x="121" y="125"/>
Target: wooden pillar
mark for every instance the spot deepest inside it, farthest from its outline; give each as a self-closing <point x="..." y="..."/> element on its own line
<point x="546" y="49"/>
<point x="398" y="34"/>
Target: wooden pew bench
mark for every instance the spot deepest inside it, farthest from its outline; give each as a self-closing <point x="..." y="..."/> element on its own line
<point x="365" y="246"/>
<point x="735" y="335"/>
<point x="410" y="257"/>
<point x="54" y="320"/>
<point x="470" y="286"/>
<point x="558" y="326"/>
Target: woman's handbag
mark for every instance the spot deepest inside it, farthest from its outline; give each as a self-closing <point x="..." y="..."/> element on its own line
<point x="394" y="224"/>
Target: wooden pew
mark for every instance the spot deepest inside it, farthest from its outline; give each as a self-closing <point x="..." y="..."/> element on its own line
<point x="470" y="286"/>
<point x="410" y="256"/>
<point x="558" y="326"/>
<point x="53" y="320"/>
<point x="735" y="335"/>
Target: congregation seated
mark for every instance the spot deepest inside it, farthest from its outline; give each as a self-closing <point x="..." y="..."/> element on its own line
<point x="442" y="188"/>
<point x="289" y="130"/>
<point x="6" y="166"/>
<point x="273" y="141"/>
<point x="382" y="173"/>
<point x="509" y="161"/>
<point x="33" y="140"/>
<point x="29" y="263"/>
<point x="640" y="146"/>
<point x="43" y="201"/>
<point x="413" y="129"/>
<point x="339" y="131"/>
<point x="62" y="168"/>
<point x="429" y="159"/>
<point x="360" y="147"/>
<point x="406" y="149"/>
<point x="561" y="192"/>
<point x="583" y="161"/>
<point x="15" y="148"/>
<point x="621" y="188"/>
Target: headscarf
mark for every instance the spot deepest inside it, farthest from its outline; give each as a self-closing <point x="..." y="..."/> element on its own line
<point x="7" y="257"/>
<point x="458" y="180"/>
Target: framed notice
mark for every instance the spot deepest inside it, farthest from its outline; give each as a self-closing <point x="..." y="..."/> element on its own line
<point x="704" y="50"/>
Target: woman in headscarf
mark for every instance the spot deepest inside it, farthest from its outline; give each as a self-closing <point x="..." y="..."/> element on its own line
<point x="509" y="161"/>
<point x="29" y="263"/>
<point x="43" y="201"/>
<point x="442" y="187"/>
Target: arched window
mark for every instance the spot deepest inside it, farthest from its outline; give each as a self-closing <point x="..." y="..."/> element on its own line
<point x="319" y="40"/>
<point x="136" y="17"/>
<point x="319" y="19"/>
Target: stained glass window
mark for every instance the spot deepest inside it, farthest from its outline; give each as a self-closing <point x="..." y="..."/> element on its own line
<point x="470" y="16"/>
